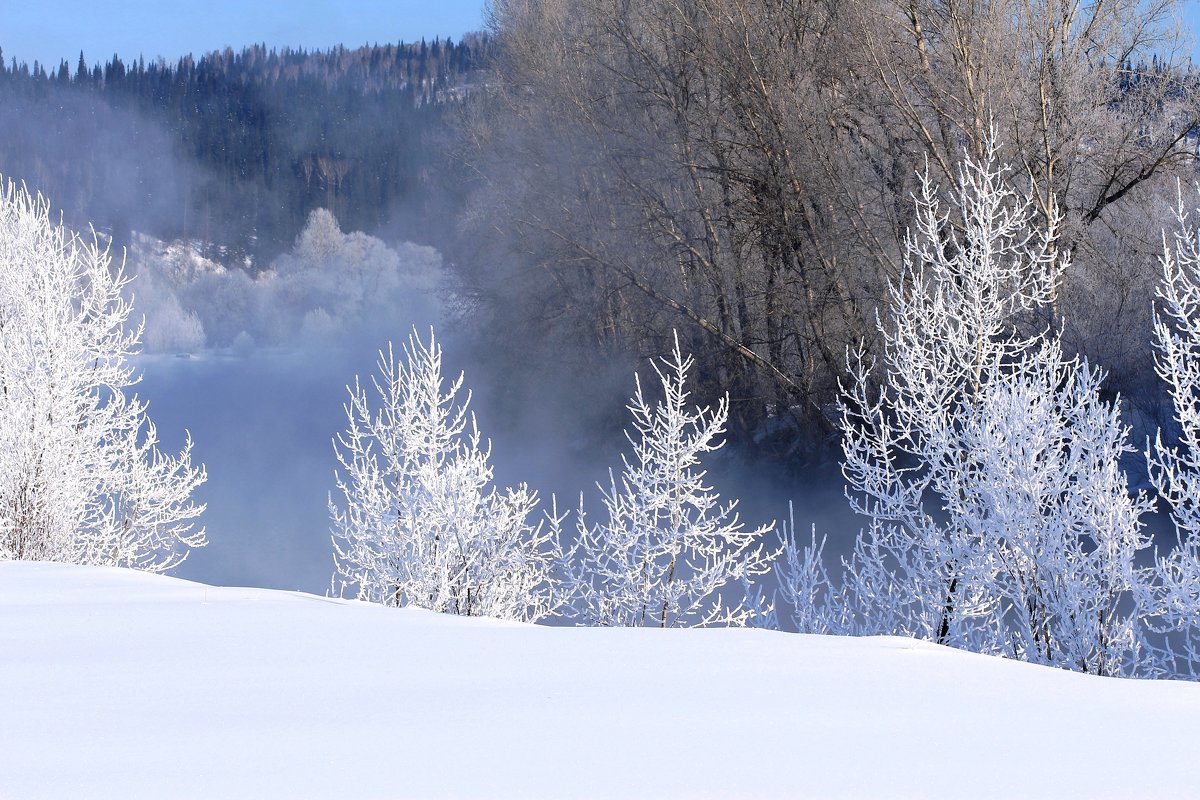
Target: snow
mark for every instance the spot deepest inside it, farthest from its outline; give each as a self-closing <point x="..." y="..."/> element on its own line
<point x="121" y="684"/>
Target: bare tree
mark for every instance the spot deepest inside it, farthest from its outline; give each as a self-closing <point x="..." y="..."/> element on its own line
<point x="677" y="182"/>
<point x="743" y="170"/>
<point x="1094" y="104"/>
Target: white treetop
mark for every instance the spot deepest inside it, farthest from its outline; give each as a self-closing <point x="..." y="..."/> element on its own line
<point x="668" y="547"/>
<point x="421" y="524"/>
<point x="1175" y="469"/>
<point x="81" y="477"/>
<point x="987" y="463"/>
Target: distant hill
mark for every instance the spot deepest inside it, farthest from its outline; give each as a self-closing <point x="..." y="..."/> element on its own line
<point x="236" y="149"/>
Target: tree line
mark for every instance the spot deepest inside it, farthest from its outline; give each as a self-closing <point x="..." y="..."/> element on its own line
<point x="744" y="172"/>
<point x="234" y="149"/>
<point x="984" y="459"/>
<point x="740" y="172"/>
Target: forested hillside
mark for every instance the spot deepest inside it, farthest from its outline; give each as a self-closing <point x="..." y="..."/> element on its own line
<point x="234" y="149"/>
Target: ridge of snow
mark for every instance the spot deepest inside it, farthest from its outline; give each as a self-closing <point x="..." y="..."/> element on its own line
<point x="120" y="684"/>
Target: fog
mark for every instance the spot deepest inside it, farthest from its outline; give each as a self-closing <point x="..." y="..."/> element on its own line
<point x="253" y="358"/>
<point x="262" y="426"/>
<point x="255" y="366"/>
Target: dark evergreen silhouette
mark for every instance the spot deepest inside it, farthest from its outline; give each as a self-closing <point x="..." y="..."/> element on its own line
<point x="235" y="149"/>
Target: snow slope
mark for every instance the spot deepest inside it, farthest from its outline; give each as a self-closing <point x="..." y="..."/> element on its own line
<point x="125" y="685"/>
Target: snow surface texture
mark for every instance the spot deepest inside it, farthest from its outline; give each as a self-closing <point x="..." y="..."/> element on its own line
<point x="121" y="684"/>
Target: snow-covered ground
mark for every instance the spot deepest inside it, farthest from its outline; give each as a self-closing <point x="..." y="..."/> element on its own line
<point x="126" y="685"/>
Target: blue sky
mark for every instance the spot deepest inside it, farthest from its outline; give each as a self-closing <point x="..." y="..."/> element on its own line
<point x="1191" y="20"/>
<point x="49" y="32"/>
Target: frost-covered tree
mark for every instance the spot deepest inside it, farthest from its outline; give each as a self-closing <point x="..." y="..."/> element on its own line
<point x="668" y="546"/>
<point x="169" y="328"/>
<point x="81" y="477"/>
<point x="328" y="288"/>
<point x="345" y="280"/>
<point x="421" y="523"/>
<point x="1175" y="468"/>
<point x="987" y="462"/>
<point x="805" y="587"/>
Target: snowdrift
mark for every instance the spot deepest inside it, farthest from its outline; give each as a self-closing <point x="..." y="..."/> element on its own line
<point x="117" y="684"/>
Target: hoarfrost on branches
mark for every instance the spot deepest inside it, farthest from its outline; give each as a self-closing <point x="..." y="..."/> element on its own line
<point x="668" y="547"/>
<point x="984" y="459"/>
<point x="420" y="523"/>
<point x="81" y="476"/>
<point x="1175" y="468"/>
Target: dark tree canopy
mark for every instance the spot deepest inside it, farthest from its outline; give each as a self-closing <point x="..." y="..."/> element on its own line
<point x="234" y="149"/>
